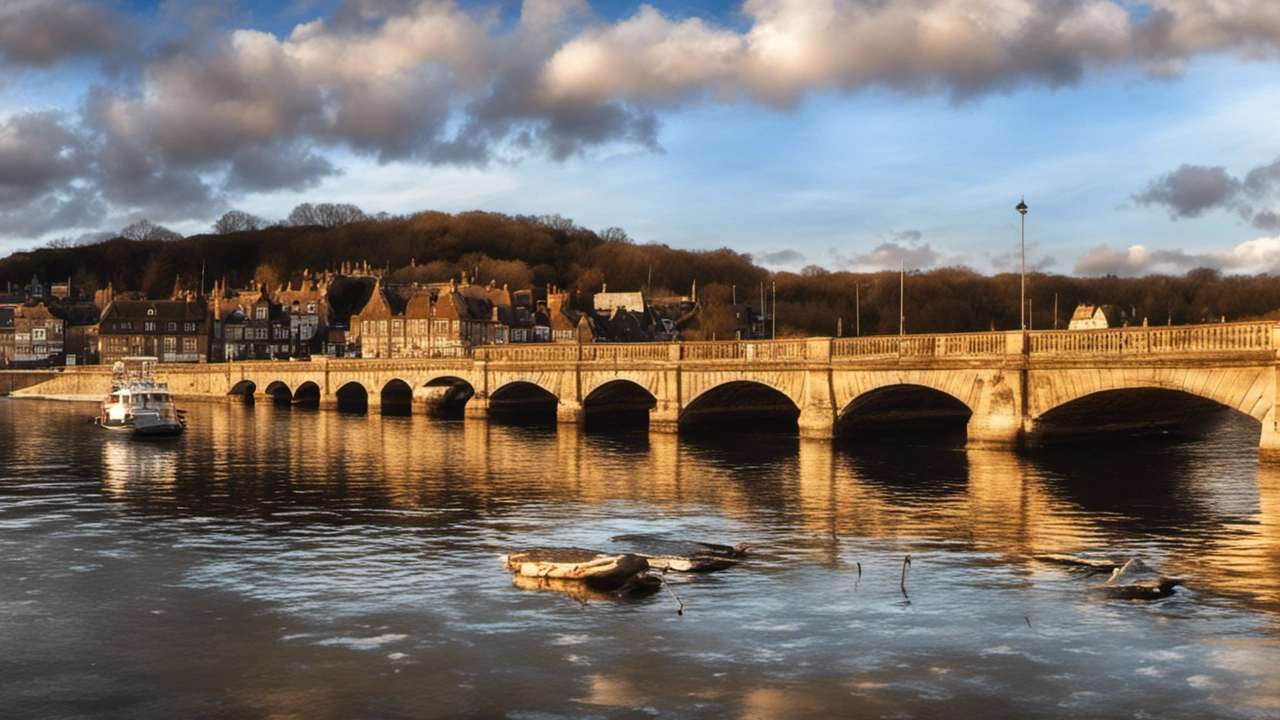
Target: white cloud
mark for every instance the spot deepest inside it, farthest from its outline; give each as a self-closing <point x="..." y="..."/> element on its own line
<point x="1261" y="255"/>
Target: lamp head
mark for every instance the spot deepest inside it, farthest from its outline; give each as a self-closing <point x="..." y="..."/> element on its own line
<point x="1022" y="207"/>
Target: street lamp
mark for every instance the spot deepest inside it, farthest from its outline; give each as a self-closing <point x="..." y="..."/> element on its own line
<point x="1022" y="208"/>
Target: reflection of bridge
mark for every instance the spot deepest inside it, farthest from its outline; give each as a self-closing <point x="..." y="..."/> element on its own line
<point x="1005" y="388"/>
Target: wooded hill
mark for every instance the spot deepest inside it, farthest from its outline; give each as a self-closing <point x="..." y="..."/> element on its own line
<point x="524" y="252"/>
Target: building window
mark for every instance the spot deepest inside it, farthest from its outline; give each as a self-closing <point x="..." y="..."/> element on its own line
<point x="188" y="345"/>
<point x="172" y="326"/>
<point x="37" y="334"/>
<point x="395" y="325"/>
<point x="151" y="311"/>
<point x="188" y="327"/>
<point x="311" y="307"/>
<point x="149" y="327"/>
<point x="382" y="326"/>
<point x="260" y="313"/>
<point x="170" y="345"/>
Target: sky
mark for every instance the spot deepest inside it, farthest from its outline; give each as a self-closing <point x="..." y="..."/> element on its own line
<point x="847" y="134"/>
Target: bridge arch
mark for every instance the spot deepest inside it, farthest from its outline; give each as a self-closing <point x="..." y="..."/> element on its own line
<point x="245" y="389"/>
<point x="741" y="405"/>
<point x="523" y="401"/>
<point x="280" y="393"/>
<point x="397" y="397"/>
<point x="307" y="395"/>
<point x="902" y="410"/>
<point x="1127" y="412"/>
<point x="1248" y="389"/>
<point x="446" y="396"/>
<point x="352" y="397"/>
<point x="618" y="403"/>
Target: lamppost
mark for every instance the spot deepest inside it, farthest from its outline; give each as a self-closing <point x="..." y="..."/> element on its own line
<point x="1022" y="305"/>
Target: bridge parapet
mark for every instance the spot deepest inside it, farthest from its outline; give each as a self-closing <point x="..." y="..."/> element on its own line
<point x="1184" y="339"/>
<point x="960" y="345"/>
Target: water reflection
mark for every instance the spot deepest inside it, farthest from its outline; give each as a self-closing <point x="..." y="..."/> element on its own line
<point x="357" y="556"/>
<point x="135" y="468"/>
<point x="1195" y="507"/>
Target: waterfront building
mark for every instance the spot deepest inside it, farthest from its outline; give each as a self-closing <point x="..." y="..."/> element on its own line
<point x="434" y="320"/>
<point x="39" y="335"/>
<point x="171" y="330"/>
<point x="6" y="336"/>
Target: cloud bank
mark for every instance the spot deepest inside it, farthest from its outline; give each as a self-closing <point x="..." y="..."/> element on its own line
<point x="188" y="124"/>
<point x="1192" y="190"/>
<point x="1260" y="255"/>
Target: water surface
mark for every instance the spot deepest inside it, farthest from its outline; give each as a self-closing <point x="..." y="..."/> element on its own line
<point x="297" y="564"/>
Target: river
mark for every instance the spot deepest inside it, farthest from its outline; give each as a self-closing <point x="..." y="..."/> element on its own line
<point x="285" y="563"/>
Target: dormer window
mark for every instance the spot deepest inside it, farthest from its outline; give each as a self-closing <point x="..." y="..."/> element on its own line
<point x="151" y="311"/>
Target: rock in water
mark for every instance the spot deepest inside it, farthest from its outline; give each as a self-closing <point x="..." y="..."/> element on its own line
<point x="1137" y="581"/>
<point x="599" y="571"/>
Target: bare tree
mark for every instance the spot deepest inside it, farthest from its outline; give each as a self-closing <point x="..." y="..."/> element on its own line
<point x="146" y="230"/>
<point x="238" y="221"/>
<point x="326" y="214"/>
<point x="615" y="234"/>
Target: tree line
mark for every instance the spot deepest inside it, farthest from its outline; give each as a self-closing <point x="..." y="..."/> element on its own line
<point x="537" y="251"/>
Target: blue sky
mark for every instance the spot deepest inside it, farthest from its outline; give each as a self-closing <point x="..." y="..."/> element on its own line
<point x="842" y="133"/>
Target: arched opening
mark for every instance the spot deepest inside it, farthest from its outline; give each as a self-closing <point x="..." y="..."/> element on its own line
<point x="1123" y="415"/>
<point x="741" y="406"/>
<point x="307" y="395"/>
<point x="353" y="398"/>
<point x="279" y="392"/>
<point x="523" y="403"/>
<point x="617" y="404"/>
<point x="397" y="398"/>
<point x="904" y="414"/>
<point x="245" y="389"/>
<point x="446" y="397"/>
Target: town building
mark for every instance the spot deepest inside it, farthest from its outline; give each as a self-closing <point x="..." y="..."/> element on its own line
<point x="175" y="331"/>
<point x="1097" y="317"/>
<point x="39" y="335"/>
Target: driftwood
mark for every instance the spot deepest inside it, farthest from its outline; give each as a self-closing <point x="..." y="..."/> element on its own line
<point x="598" y="571"/>
<point x="1137" y="581"/>
<point x="639" y="585"/>
<point x="683" y="555"/>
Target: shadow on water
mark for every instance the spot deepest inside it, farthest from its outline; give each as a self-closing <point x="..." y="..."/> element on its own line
<point x="932" y="459"/>
<point x="1162" y="484"/>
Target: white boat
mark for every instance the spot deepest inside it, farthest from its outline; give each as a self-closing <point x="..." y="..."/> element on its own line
<point x="138" y="404"/>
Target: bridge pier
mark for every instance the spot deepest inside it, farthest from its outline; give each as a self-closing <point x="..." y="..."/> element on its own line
<point x="477" y="409"/>
<point x="818" y="423"/>
<point x="665" y="418"/>
<point x="328" y="401"/>
<point x="993" y="433"/>
<point x="569" y="412"/>
<point x="1269" y="442"/>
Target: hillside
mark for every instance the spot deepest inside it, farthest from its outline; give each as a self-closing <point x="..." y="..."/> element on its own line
<point x="525" y="251"/>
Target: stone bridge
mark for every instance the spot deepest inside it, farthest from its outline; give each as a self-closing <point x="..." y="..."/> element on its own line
<point x="1001" y="388"/>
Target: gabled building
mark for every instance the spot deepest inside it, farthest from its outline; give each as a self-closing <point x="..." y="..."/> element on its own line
<point x="1097" y="317"/>
<point x="431" y="321"/>
<point x="39" y="335"/>
<point x="307" y="309"/>
<point x="6" y="336"/>
<point x="171" y="330"/>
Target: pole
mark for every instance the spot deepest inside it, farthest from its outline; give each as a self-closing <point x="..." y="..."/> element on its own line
<point x="857" y="310"/>
<point x="902" y="299"/>
<point x="774" y="334"/>
<point x="1055" y="311"/>
<point x="1022" y="305"/>
<point x="764" y="314"/>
